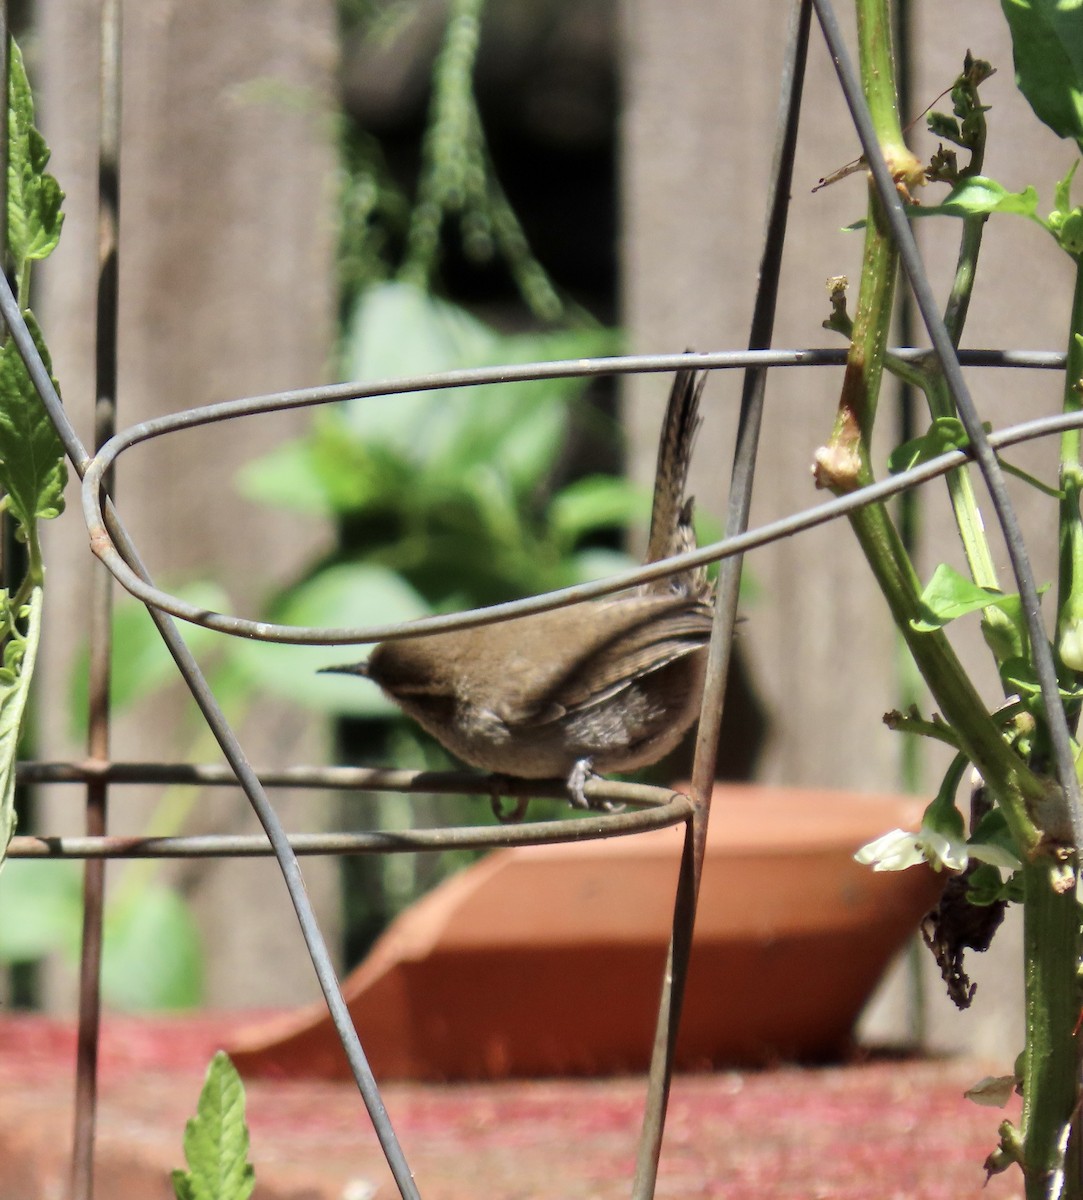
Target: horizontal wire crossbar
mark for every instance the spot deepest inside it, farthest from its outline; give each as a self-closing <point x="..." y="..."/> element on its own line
<point x="474" y="837"/>
<point x="653" y="808"/>
<point x="372" y="779"/>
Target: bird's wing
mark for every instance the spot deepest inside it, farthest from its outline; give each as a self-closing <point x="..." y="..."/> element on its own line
<point x="640" y="647"/>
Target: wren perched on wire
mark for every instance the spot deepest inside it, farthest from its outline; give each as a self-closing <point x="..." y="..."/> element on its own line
<point x="607" y="685"/>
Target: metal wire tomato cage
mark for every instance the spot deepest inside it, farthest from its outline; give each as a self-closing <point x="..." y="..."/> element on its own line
<point x="646" y="807"/>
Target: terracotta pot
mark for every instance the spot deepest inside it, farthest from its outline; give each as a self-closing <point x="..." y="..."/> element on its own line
<point x="548" y="960"/>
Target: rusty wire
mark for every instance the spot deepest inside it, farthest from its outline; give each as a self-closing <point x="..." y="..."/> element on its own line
<point x="649" y="807"/>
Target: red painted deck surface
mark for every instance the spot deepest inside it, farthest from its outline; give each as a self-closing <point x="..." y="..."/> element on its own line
<point x="881" y="1129"/>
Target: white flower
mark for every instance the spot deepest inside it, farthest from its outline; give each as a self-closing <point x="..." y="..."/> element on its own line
<point x="897" y="850"/>
<point x="994" y="1091"/>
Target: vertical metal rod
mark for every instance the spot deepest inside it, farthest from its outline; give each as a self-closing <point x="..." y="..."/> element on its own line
<point x="910" y="514"/>
<point x="101" y="607"/>
<point x="729" y="582"/>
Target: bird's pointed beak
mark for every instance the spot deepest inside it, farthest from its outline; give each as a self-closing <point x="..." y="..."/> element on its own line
<point x="358" y="668"/>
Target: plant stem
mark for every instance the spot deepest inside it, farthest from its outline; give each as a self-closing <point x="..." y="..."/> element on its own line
<point x="844" y="463"/>
<point x="1051" y="919"/>
<point x="1023" y="795"/>
<point x="1070" y="560"/>
<point x="1051" y="1064"/>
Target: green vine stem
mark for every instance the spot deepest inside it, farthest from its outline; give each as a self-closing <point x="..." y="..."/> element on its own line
<point x="844" y="464"/>
<point x="1050" y="1060"/>
<point x="1026" y="799"/>
<point x="1070" y="561"/>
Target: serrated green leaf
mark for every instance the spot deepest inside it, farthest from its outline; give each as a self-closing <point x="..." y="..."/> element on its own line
<point x="1047" y="45"/>
<point x="216" y="1140"/>
<point x="34" y="196"/>
<point x="949" y="595"/>
<point x="13" y="697"/>
<point x="945" y="127"/>
<point x="32" y="468"/>
<point x="182" y="1185"/>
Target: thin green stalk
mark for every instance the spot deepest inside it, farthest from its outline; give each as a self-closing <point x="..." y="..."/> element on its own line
<point x="1023" y="795"/>
<point x="964" y="501"/>
<point x="878" y="81"/>
<point x="958" y="305"/>
<point x="844" y="464"/>
<point x="1070" y="562"/>
<point x="1050" y="1061"/>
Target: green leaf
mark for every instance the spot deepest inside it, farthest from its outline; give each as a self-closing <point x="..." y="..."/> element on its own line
<point x="978" y="196"/>
<point x="945" y="434"/>
<point x="419" y="453"/>
<point x="153" y="958"/>
<point x="182" y="1186"/>
<point x="398" y="329"/>
<point x="344" y="594"/>
<point x="333" y="469"/>
<point x="1018" y="675"/>
<point x="41" y="909"/>
<point x="949" y="595"/>
<point x="944" y="127"/>
<point x="597" y="502"/>
<point x="1007" y="638"/>
<point x="287" y="478"/>
<point x="975" y="196"/>
<point x="1047" y="44"/>
<point x="14" y="689"/>
<point x="1062" y="193"/>
<point x="216" y="1140"/>
<point x="1065" y="223"/>
<point x="34" y="196"/>
<point x="32" y="469"/>
<point x="993" y="830"/>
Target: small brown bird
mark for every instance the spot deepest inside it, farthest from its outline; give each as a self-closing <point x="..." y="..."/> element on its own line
<point x="607" y="685"/>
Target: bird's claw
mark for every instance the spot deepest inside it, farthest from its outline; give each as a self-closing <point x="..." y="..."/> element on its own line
<point x="578" y="778"/>
<point x="506" y="816"/>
